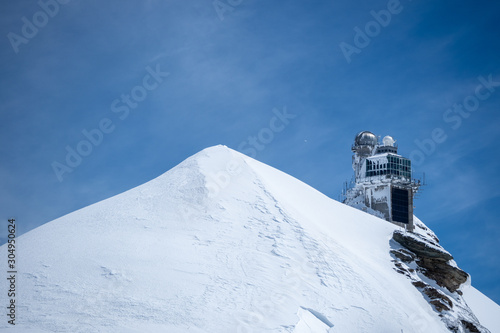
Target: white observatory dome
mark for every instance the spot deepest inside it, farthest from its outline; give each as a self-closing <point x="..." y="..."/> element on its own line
<point x="388" y="141"/>
<point x="365" y="138"/>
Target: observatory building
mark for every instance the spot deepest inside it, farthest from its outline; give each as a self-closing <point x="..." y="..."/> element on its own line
<point x="382" y="183"/>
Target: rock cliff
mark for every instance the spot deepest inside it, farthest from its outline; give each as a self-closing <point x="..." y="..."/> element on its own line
<point x="432" y="270"/>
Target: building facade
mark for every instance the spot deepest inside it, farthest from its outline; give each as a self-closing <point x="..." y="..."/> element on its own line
<point x="383" y="184"/>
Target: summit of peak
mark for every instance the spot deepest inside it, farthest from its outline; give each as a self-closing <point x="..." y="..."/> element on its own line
<point x="217" y="148"/>
<point x="216" y="152"/>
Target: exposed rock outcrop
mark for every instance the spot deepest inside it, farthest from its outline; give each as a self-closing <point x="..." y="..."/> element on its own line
<point x="437" y="298"/>
<point x="470" y="326"/>
<point x="420" y="258"/>
<point x="432" y="260"/>
<point x="421" y="246"/>
<point x="403" y="255"/>
<point x="443" y="273"/>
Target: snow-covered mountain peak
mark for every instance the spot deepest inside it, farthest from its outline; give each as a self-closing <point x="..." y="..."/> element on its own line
<point x="220" y="243"/>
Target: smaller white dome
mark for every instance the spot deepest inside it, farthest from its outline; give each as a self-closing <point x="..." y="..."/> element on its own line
<point x="388" y="141"/>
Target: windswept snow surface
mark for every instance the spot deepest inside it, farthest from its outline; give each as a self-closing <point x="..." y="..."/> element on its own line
<point x="487" y="311"/>
<point x="220" y="243"/>
<point x="311" y="323"/>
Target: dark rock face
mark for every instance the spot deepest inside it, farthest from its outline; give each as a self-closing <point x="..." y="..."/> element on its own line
<point x="403" y="255"/>
<point x="438" y="299"/>
<point x="470" y="326"/>
<point x="432" y="261"/>
<point x="420" y="246"/>
<point x="445" y="275"/>
<point x="423" y="252"/>
<point x="439" y="306"/>
<point x="419" y="284"/>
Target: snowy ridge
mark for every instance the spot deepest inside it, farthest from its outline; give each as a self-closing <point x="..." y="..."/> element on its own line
<point x="220" y="243"/>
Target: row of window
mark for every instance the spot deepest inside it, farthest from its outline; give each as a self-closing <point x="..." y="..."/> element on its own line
<point x="399" y="160"/>
<point x="397" y="166"/>
<point x="386" y="150"/>
<point x="392" y="166"/>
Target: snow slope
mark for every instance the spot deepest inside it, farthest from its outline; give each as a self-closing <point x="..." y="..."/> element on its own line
<point x="487" y="311"/>
<point x="220" y="243"/>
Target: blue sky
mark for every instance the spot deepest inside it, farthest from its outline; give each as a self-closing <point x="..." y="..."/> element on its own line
<point x="228" y="69"/>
